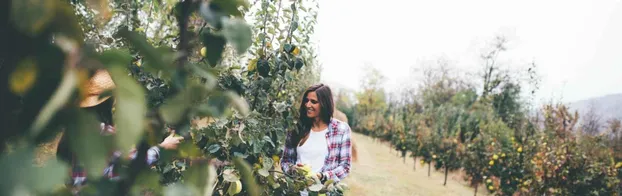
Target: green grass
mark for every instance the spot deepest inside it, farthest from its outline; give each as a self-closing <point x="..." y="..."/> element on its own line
<point x="380" y="171"/>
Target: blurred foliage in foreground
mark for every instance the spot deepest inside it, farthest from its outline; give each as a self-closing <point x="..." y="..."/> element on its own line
<point x="223" y="73"/>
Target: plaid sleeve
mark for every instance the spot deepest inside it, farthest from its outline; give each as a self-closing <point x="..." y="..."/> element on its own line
<point x="153" y="154"/>
<point x="78" y="173"/>
<point x="289" y="155"/>
<point x="345" y="155"/>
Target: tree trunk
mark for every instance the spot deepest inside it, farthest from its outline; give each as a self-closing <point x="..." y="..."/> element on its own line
<point x="446" y="172"/>
<point x="404" y="159"/>
<point x="429" y="168"/>
<point x="475" y="190"/>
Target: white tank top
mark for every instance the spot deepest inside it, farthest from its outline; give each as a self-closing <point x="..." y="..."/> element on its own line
<point x="314" y="151"/>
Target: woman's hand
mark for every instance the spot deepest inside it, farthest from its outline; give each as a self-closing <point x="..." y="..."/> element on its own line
<point x="171" y="142"/>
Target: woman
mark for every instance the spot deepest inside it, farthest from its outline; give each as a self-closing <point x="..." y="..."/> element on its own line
<point x="102" y="108"/>
<point x="339" y="115"/>
<point x="321" y="142"/>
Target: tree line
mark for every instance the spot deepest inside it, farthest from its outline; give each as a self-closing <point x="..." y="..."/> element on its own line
<point x="488" y="128"/>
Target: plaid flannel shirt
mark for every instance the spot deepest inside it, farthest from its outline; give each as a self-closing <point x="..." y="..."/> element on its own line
<point x="337" y="163"/>
<point x="78" y="172"/>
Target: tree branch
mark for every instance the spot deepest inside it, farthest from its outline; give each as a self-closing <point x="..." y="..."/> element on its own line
<point x="291" y="30"/>
<point x="182" y="46"/>
<point x="276" y="20"/>
<point x="265" y="21"/>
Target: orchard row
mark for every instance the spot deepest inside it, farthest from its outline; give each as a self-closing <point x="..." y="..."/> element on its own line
<point x="487" y="130"/>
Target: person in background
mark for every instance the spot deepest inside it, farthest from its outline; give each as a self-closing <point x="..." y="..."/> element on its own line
<point x="321" y="142"/>
<point x="102" y="108"/>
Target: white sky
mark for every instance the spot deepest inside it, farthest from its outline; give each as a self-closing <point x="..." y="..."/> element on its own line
<point x="577" y="45"/>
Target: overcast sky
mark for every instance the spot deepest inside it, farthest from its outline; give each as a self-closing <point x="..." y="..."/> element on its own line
<point x="577" y="44"/>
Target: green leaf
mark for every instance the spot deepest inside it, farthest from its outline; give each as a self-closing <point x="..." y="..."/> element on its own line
<point x="229" y="176"/>
<point x="288" y="48"/>
<point x="328" y="182"/>
<point x="189" y="149"/>
<point x="231" y="6"/>
<point x="179" y="189"/>
<point x="211" y="180"/>
<point x="216" y="105"/>
<point x="221" y="122"/>
<point x="238" y="103"/>
<point x="213" y="148"/>
<point x="281" y="106"/>
<point x="59" y="98"/>
<point x="32" y="16"/>
<point x="175" y="110"/>
<point x="252" y="121"/>
<point x="202" y="177"/>
<point x="343" y="187"/>
<point x="116" y="57"/>
<point x="214" y="46"/>
<point x="267" y="162"/>
<point x="316" y="187"/>
<point x="159" y="59"/>
<point x="210" y="15"/>
<point x="172" y="111"/>
<point x="88" y="145"/>
<point x="180" y="164"/>
<point x="130" y="108"/>
<point x="237" y="154"/>
<point x="269" y="140"/>
<point x="261" y="36"/>
<point x="273" y="183"/>
<point x="247" y="177"/>
<point x="263" y="172"/>
<point x="147" y="179"/>
<point x="19" y="172"/>
<point x="167" y="169"/>
<point x="66" y="22"/>
<point x="210" y="79"/>
<point x="238" y="33"/>
<point x="257" y="147"/>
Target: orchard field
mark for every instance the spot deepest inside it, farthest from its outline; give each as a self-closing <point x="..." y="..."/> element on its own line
<point x="227" y="75"/>
<point x="492" y="133"/>
<point x="381" y="171"/>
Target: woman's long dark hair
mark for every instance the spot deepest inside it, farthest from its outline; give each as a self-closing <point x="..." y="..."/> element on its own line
<point x="325" y="97"/>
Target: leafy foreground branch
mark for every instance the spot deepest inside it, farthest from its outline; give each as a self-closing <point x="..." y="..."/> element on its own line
<point x="147" y="47"/>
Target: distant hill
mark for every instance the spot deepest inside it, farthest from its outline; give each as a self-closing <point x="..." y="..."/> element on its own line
<point x="608" y="106"/>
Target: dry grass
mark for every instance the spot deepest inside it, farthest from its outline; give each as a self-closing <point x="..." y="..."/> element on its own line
<point x="380" y="172"/>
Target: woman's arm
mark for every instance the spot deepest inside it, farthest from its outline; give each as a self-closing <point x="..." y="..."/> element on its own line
<point x="345" y="156"/>
<point x="153" y="153"/>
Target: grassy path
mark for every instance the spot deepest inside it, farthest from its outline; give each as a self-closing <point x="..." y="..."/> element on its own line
<point x="378" y="172"/>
